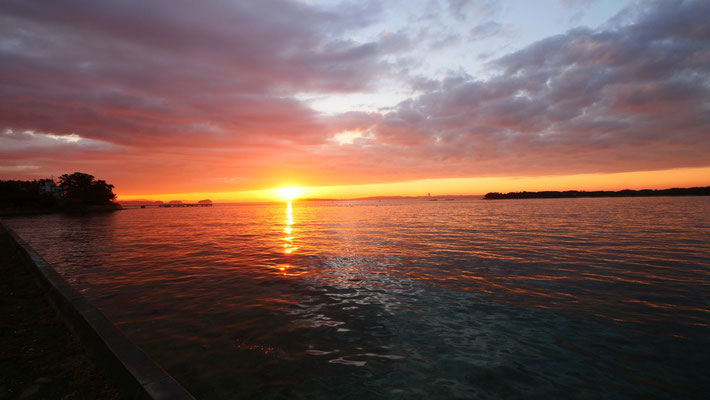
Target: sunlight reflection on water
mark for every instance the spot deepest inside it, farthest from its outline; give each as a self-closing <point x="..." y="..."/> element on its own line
<point x="411" y="299"/>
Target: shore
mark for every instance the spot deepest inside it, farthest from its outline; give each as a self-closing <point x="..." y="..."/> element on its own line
<point x="573" y="194"/>
<point x="39" y="357"/>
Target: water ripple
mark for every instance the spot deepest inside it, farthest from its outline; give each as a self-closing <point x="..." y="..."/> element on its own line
<point x="582" y="298"/>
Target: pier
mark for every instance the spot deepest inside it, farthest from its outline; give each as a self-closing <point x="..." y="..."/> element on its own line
<point x="184" y="205"/>
<point x="164" y="205"/>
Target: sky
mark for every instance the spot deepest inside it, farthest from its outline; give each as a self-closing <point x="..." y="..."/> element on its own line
<point x="230" y="99"/>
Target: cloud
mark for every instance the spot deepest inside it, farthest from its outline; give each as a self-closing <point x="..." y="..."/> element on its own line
<point x="462" y="9"/>
<point x="182" y="98"/>
<point x="136" y="73"/>
<point x="18" y="168"/>
<point x="486" y="30"/>
<point x="13" y="141"/>
<point x="576" y="3"/>
<point x="172" y="84"/>
<point x="633" y="96"/>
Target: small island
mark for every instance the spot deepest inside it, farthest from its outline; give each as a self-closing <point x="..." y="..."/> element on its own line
<point x="694" y="191"/>
<point x="76" y="192"/>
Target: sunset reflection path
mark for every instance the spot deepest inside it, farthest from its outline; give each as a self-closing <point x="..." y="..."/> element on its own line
<point x="289" y="247"/>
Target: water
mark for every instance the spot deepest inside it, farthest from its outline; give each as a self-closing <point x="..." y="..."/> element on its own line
<point x="567" y="298"/>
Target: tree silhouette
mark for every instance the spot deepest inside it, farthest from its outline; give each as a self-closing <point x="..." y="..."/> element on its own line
<point x="80" y="188"/>
<point x="694" y="191"/>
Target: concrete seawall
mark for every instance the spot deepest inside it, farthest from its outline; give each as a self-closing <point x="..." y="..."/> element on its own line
<point x="133" y="372"/>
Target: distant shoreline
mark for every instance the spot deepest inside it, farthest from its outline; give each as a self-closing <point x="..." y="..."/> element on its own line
<point x="572" y="194"/>
<point x="131" y="204"/>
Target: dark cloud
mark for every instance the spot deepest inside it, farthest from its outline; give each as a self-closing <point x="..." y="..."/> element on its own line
<point x="126" y="71"/>
<point x="158" y="86"/>
<point x="168" y="96"/>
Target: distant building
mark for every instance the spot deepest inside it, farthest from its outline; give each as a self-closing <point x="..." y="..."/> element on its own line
<point x="48" y="186"/>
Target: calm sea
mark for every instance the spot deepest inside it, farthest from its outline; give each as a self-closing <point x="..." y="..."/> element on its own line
<point x="566" y="298"/>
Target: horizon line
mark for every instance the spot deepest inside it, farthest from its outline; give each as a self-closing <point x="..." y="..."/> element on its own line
<point x="405" y="197"/>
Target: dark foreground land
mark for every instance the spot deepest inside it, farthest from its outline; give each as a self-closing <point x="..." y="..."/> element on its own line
<point x="76" y="193"/>
<point x="694" y="191"/>
<point x="39" y="357"/>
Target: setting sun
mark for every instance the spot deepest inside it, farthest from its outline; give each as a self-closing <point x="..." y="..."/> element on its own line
<point x="289" y="193"/>
<point x="277" y="198"/>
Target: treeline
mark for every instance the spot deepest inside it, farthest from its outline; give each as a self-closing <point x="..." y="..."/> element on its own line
<point x="694" y="191"/>
<point x="25" y="194"/>
<point x="73" y="191"/>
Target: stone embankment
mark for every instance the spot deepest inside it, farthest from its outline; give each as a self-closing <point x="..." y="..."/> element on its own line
<point x="48" y="329"/>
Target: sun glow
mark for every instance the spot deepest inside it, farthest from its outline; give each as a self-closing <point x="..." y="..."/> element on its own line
<point x="289" y="193"/>
<point x="661" y="179"/>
